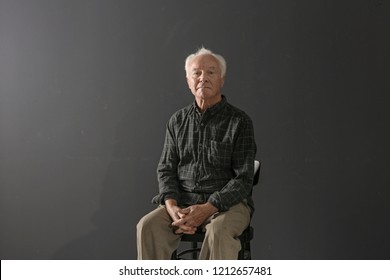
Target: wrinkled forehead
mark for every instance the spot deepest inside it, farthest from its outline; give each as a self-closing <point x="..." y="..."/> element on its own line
<point x="204" y="62"/>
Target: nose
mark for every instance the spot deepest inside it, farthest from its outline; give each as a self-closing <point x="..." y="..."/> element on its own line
<point x="203" y="77"/>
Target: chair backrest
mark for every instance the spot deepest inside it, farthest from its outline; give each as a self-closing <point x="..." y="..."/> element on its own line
<point x="256" y="172"/>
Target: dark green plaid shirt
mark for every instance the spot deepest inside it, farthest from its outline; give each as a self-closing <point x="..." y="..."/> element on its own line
<point x="207" y="157"/>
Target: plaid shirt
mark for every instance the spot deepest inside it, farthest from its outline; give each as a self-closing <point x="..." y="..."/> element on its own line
<point x="207" y="157"/>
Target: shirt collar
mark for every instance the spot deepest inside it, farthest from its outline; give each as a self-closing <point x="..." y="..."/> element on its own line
<point x="213" y="109"/>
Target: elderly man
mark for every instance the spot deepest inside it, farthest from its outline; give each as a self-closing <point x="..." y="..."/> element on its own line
<point x="205" y="172"/>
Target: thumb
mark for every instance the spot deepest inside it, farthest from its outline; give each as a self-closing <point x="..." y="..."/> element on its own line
<point x="184" y="210"/>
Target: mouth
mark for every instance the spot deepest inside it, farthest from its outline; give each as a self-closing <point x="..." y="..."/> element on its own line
<point x="204" y="87"/>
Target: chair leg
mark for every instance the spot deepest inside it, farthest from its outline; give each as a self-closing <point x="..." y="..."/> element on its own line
<point x="245" y="252"/>
<point x="249" y="253"/>
<point x="240" y="255"/>
<point x="194" y="253"/>
<point x="174" y="255"/>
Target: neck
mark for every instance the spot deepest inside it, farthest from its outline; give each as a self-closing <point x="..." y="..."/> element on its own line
<point x="203" y="104"/>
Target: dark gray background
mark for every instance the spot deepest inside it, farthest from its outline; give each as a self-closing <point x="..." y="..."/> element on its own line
<point x="86" y="88"/>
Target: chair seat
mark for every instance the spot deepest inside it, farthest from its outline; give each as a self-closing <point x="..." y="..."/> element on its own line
<point x="197" y="237"/>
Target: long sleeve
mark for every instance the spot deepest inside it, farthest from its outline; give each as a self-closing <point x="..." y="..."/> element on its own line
<point x="167" y="168"/>
<point x="239" y="186"/>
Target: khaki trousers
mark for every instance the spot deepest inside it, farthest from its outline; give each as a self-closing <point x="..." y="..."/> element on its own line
<point x="157" y="241"/>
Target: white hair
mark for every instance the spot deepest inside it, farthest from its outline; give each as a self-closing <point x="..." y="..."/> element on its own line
<point x="204" y="51"/>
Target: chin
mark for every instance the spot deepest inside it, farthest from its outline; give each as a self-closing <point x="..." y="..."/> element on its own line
<point x="204" y="95"/>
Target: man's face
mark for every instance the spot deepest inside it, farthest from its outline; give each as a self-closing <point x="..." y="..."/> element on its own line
<point x="204" y="78"/>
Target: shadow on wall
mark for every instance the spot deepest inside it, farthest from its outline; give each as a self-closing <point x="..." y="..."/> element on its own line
<point x="128" y="186"/>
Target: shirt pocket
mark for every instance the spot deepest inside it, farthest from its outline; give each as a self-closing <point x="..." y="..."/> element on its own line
<point x="220" y="154"/>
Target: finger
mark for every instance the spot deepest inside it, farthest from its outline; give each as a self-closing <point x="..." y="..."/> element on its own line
<point x="184" y="210"/>
<point x="180" y="215"/>
<point x="179" y="231"/>
<point x="179" y="223"/>
<point x="185" y="231"/>
<point x="185" y="227"/>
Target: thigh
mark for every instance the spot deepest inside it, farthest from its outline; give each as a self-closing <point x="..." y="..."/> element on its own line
<point x="159" y="217"/>
<point x="155" y="237"/>
<point x="232" y="222"/>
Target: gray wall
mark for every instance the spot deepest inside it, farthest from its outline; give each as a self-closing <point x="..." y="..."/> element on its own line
<point x="86" y="88"/>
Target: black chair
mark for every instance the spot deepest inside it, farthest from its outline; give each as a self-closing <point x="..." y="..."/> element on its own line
<point x="197" y="238"/>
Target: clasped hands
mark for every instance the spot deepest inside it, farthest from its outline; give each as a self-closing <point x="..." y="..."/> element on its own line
<point x="187" y="220"/>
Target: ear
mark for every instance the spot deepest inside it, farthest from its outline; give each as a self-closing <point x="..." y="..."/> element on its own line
<point x="222" y="81"/>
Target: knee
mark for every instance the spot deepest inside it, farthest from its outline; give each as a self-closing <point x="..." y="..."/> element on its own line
<point x="145" y="224"/>
<point x="151" y="222"/>
<point x="216" y="230"/>
<point x="225" y="228"/>
<point x="140" y="224"/>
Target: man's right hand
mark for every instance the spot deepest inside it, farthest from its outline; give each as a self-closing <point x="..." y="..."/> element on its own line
<point x="176" y="213"/>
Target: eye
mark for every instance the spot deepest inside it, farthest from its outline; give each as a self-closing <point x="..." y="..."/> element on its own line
<point x="195" y="73"/>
